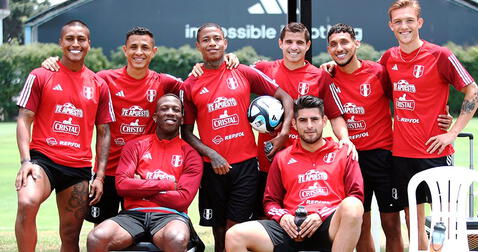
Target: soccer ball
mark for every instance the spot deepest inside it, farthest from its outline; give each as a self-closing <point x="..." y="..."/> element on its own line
<point x="265" y="114"/>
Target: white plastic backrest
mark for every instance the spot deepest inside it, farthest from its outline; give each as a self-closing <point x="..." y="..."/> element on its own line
<point x="449" y="186"/>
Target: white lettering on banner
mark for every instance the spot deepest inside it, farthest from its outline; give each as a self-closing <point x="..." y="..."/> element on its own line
<point x="132" y="128"/>
<point x="403" y="103"/>
<point x="66" y="127"/>
<point x="313" y="191"/>
<point x="70" y="144"/>
<point x="312" y="175"/>
<point x="69" y="109"/>
<point x="225" y="120"/>
<point x="134" y="111"/>
<point x="262" y="31"/>
<point x="351" y="108"/>
<point x="235" y="135"/>
<point x="363" y="134"/>
<point x="220" y="103"/>
<point x="158" y="174"/>
<point x="352" y="124"/>
<point x="407" y="120"/>
<point x="404" y="86"/>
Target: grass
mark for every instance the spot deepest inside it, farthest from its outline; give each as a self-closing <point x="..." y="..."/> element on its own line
<point x="47" y="220"/>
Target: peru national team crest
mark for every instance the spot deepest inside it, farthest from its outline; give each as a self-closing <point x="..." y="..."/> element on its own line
<point x="418" y="71"/>
<point x="176" y="160"/>
<point x="232" y="83"/>
<point x="303" y="88"/>
<point x="365" y="89"/>
<point x="88" y="92"/>
<point x="151" y="95"/>
<point x="329" y="157"/>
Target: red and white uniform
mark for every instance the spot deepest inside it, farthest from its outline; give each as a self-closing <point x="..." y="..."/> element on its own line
<point x="318" y="180"/>
<point x="365" y="97"/>
<point x="306" y="80"/>
<point x="67" y="105"/>
<point x="170" y="172"/>
<point x="420" y="93"/>
<point x="134" y="103"/>
<point x="218" y="100"/>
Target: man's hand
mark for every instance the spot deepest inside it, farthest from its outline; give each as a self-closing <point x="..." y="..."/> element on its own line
<point x="445" y="121"/>
<point x="96" y="191"/>
<point x="287" y="223"/>
<point x="350" y="148"/>
<point x="310" y="225"/>
<point x="197" y="70"/>
<point x="278" y="143"/>
<point x="51" y="64"/>
<point x="328" y="67"/>
<point x="439" y="142"/>
<point x="219" y="164"/>
<point x="232" y="61"/>
<point x="26" y="169"/>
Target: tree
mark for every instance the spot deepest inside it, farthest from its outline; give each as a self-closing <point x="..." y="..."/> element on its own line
<point x="20" y="11"/>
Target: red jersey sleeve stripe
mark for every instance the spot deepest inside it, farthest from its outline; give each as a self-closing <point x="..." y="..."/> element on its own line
<point x="459" y="68"/>
<point x="267" y="78"/>
<point x="26" y="91"/>
<point x="333" y="90"/>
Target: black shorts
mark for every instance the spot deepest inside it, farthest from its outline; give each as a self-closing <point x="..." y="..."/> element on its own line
<point x="108" y="205"/>
<point x="261" y="187"/>
<point x="231" y="196"/>
<point x="60" y="176"/>
<point x="320" y="240"/>
<point x="376" y="166"/>
<point x="405" y="168"/>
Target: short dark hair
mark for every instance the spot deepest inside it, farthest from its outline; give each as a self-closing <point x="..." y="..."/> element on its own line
<point x="206" y="25"/>
<point x="139" y="30"/>
<point x="308" y="101"/>
<point x="175" y="96"/>
<point x="75" y="22"/>
<point x="295" y="27"/>
<point x="339" y="28"/>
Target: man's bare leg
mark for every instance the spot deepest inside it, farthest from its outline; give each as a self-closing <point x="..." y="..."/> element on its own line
<point x="365" y="242"/>
<point x="173" y="237"/>
<point x="422" y="235"/>
<point x="72" y="204"/>
<point x="108" y="235"/>
<point x="248" y="236"/>
<point x="346" y="224"/>
<point x="30" y="197"/>
<point x="393" y="231"/>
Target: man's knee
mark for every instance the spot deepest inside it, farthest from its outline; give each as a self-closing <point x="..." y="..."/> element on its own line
<point x="177" y="237"/>
<point x="391" y="223"/>
<point x="28" y="204"/>
<point x="352" y="209"/>
<point x="235" y="235"/>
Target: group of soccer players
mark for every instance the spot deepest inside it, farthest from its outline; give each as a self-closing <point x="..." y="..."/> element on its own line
<point x="157" y="174"/>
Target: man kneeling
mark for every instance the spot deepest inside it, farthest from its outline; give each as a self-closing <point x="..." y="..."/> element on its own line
<point x="313" y="172"/>
<point x="158" y="175"/>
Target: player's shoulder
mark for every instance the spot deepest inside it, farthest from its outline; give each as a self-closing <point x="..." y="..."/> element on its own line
<point x="42" y="72"/>
<point x="111" y="73"/>
<point x="139" y="141"/>
<point x="166" y="76"/>
<point x="437" y="50"/>
<point x="187" y="148"/>
<point x="373" y="67"/>
<point x="264" y="64"/>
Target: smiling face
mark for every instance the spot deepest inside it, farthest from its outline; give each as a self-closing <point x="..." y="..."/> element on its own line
<point x="405" y="25"/>
<point x="342" y="48"/>
<point x="75" y="44"/>
<point x="168" y="117"/>
<point x="294" y="47"/>
<point x="211" y="44"/>
<point x="139" y="50"/>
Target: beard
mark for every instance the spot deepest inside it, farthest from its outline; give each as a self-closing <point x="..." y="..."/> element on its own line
<point x="311" y="139"/>
<point x="344" y="64"/>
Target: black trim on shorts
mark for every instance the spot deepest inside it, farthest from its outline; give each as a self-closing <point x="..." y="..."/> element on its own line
<point x="282" y="242"/>
<point x="61" y="177"/>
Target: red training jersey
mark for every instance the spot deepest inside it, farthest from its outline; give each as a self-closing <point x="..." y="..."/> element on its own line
<point x="365" y="95"/>
<point x="420" y="93"/>
<point x="218" y="101"/>
<point x="318" y="180"/>
<point x="67" y="105"/>
<point x="170" y="172"/>
<point x="306" y="80"/>
<point x="134" y="103"/>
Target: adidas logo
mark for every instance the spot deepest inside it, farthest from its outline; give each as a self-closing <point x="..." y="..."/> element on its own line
<point x="58" y="87"/>
<point x="292" y="161"/>
<point x="269" y="7"/>
<point x="395" y="67"/>
<point x="147" y="156"/>
<point x="120" y="93"/>
<point x="204" y="90"/>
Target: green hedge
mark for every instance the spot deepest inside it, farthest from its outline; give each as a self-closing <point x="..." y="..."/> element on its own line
<point x="16" y="61"/>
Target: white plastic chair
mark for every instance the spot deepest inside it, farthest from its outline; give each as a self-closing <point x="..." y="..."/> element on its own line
<point x="449" y="186"/>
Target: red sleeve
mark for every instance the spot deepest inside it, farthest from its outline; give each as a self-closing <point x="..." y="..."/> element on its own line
<point x="451" y="69"/>
<point x="190" y="110"/>
<point x="30" y="95"/>
<point x="171" y="84"/>
<point x="385" y="81"/>
<point x="353" y="180"/>
<point x="328" y="93"/>
<point x="188" y="183"/>
<point x="274" y="193"/>
<point x="260" y="83"/>
<point x="127" y="185"/>
<point x="261" y="65"/>
<point x="383" y="60"/>
<point x="105" y="113"/>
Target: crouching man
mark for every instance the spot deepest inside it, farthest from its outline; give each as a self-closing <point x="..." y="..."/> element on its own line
<point x="158" y="175"/>
<point x="315" y="173"/>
